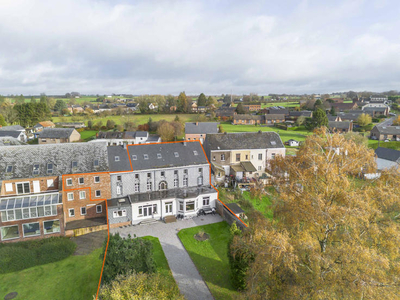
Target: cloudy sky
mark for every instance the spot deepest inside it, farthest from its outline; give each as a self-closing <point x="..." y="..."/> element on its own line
<point x="211" y="46"/>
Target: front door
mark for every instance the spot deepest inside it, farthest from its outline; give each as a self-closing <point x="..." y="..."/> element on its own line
<point x="168" y="208"/>
<point x="147" y="210"/>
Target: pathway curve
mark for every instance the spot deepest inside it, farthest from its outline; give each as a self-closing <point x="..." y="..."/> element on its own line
<point x="190" y="282"/>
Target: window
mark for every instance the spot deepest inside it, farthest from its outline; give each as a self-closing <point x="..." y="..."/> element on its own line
<point x="185" y="180"/>
<point x="134" y="157"/>
<point x="149" y="185"/>
<point x="176" y="182"/>
<point x="96" y="179"/>
<point x="206" y="200"/>
<point x="50" y="183"/>
<point x="195" y="152"/>
<point x="69" y="181"/>
<point x="137" y="188"/>
<point x="71" y="212"/>
<point x="119" y="190"/>
<point x="51" y="226"/>
<point x="176" y="172"/>
<point x="96" y="163"/>
<point x="190" y="206"/>
<point x="9" y="169"/>
<point x="180" y="205"/>
<point x="81" y="180"/>
<point x="200" y="170"/>
<point x="162" y="174"/>
<point x="137" y="176"/>
<point x="259" y="168"/>
<point x="82" y="195"/>
<point x="35" y="169"/>
<point x="119" y="213"/>
<point x="200" y="180"/>
<point x="83" y="211"/>
<point x="99" y="209"/>
<point x="223" y="157"/>
<point x="9" y="187"/>
<point x="98" y="193"/>
<point x="43" y="140"/>
<point x="273" y="155"/>
<point x="185" y="171"/>
<point x="176" y="154"/>
<point x="145" y="156"/>
<point x="168" y="207"/>
<point x="238" y="157"/>
<point x="23" y="188"/>
<point x="74" y="164"/>
<point x="140" y="210"/>
<point x="9" y="232"/>
<point x="116" y="158"/>
<point x="148" y="175"/>
<point x="119" y="177"/>
<point x="159" y="156"/>
<point x="247" y="157"/>
<point x="70" y="196"/>
<point x="259" y="156"/>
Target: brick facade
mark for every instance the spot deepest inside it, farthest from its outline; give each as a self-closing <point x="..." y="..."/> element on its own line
<point x="46" y="184"/>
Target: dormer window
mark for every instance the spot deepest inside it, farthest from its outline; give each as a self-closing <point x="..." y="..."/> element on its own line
<point x="176" y="154"/>
<point x="145" y="156"/>
<point x="159" y="155"/>
<point x="195" y="152"/>
<point x="35" y="169"/>
<point x="116" y="158"/>
<point x="74" y="165"/>
<point x="9" y="169"/>
<point x="134" y="157"/>
<point x="96" y="163"/>
<point x="49" y="168"/>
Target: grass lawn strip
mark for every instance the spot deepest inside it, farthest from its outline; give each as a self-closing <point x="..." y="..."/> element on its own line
<point x="76" y="277"/>
<point x="87" y="135"/>
<point x="211" y="257"/>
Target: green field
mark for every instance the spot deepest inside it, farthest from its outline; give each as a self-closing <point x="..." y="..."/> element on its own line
<point x="299" y="135"/>
<point x="211" y="257"/>
<point x="87" y="135"/>
<point x="137" y="118"/>
<point x="76" y="277"/>
<point x="392" y="145"/>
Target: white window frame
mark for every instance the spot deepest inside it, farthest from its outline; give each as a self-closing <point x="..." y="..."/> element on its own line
<point x="24" y="192"/>
<point x="205" y="200"/>
<point x="69" y="194"/>
<point x="66" y="181"/>
<point x="85" y="211"/>
<point x="95" y="181"/>
<point x="101" y="209"/>
<point x="69" y="212"/>
<point x="115" y="213"/>
<point x="176" y="182"/>
<point x="9" y="187"/>
<point x="185" y="180"/>
<point x="79" y="180"/>
<point x="137" y="187"/>
<point x="80" y="195"/>
<point x="119" y="190"/>
<point x="19" y="233"/>
<point x="44" y="229"/>
<point x="96" y="193"/>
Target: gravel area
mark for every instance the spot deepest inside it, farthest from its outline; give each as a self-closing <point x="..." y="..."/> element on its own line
<point x="190" y="283"/>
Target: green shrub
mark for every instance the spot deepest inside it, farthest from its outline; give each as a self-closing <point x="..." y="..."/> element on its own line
<point x="22" y="255"/>
<point x="126" y="255"/>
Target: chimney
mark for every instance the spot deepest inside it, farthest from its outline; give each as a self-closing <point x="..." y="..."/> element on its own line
<point x="197" y="123"/>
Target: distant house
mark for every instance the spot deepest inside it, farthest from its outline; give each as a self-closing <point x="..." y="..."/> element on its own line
<point x="334" y="118"/>
<point x="226" y="112"/>
<point x="275" y="111"/>
<point x="292" y="143"/>
<point x="153" y="106"/>
<point x="387" y="158"/>
<point x="343" y="106"/>
<point x="376" y="111"/>
<point x="340" y="127"/>
<point x="236" y="210"/>
<point x="273" y="118"/>
<point x="71" y="125"/>
<point x="199" y="130"/>
<point x="378" y="98"/>
<point x="19" y="128"/>
<point x="19" y="135"/>
<point x="132" y="106"/>
<point x="383" y="133"/>
<point x="41" y="125"/>
<point x="351" y="115"/>
<point x="246" y="119"/>
<point x="115" y="138"/>
<point x="76" y="108"/>
<point x="10" y="141"/>
<point x="58" y="135"/>
<point x="252" y="106"/>
<point x="294" y="115"/>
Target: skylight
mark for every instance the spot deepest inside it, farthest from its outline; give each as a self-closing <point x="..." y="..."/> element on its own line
<point x="35" y="169"/>
<point x="9" y="169"/>
<point x="195" y="152"/>
<point x="74" y="164"/>
<point x="145" y="156"/>
<point x="159" y="155"/>
<point x="117" y="158"/>
<point x="273" y="143"/>
<point x="134" y="157"/>
<point x="176" y="154"/>
<point x="96" y="163"/>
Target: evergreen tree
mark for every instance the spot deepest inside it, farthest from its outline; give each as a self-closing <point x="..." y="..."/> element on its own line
<point x="333" y="111"/>
<point x="182" y="102"/>
<point x="318" y="119"/>
<point x="60" y="105"/>
<point x="240" y="109"/>
<point x="202" y="100"/>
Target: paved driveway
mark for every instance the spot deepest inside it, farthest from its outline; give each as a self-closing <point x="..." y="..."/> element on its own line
<point x="190" y="283"/>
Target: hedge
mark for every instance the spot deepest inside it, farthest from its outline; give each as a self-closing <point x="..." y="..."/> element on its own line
<point x="22" y="255"/>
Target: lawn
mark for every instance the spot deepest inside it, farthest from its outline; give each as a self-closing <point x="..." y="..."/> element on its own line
<point x="76" y="277"/>
<point x="392" y="145"/>
<point x="211" y="257"/>
<point x="88" y="135"/>
<point x="299" y="135"/>
<point x="161" y="260"/>
<point x="137" y="118"/>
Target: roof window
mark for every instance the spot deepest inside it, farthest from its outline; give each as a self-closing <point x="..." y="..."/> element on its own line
<point x="146" y="156"/>
<point x="159" y="155"/>
<point x="176" y="154"/>
<point x="134" y="157"/>
<point x="117" y="158"/>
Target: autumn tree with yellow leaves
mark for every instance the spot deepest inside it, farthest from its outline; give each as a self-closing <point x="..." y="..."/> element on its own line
<point x="334" y="235"/>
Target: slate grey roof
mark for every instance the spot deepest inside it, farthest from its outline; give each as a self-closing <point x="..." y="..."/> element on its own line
<point x="243" y="140"/>
<point x="373" y="109"/>
<point x="304" y="113"/>
<point x="153" y="138"/>
<point x="109" y="135"/>
<point x="119" y="202"/>
<point x="122" y="164"/>
<point x="387" y="129"/>
<point x="22" y="158"/>
<point x="9" y="141"/>
<point x="201" y="128"/>
<point x="185" y="150"/>
<point x="274" y="117"/>
<point x="350" y="116"/>
<point x="141" y="134"/>
<point x="236" y="209"/>
<point x="280" y="111"/>
<point x="339" y="125"/>
<point x="246" y="117"/>
<point x="56" y="133"/>
<point x="14" y="134"/>
<point x="388" y="154"/>
<point x="332" y="118"/>
<point x="12" y="128"/>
